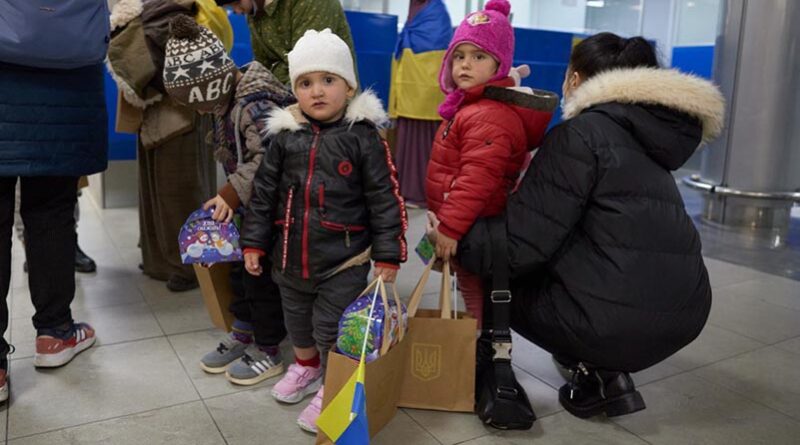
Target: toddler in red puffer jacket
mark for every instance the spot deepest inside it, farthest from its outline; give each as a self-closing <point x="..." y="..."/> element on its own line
<point x="488" y="129"/>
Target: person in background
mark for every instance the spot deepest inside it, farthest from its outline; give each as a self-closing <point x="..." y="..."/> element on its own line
<point x="239" y="100"/>
<point x="83" y="263"/>
<point x="46" y="151"/>
<point x="176" y="169"/>
<point x="415" y="93"/>
<point x="276" y="25"/>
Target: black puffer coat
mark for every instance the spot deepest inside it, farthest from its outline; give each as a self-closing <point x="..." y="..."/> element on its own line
<point x="323" y="196"/>
<point x="601" y="248"/>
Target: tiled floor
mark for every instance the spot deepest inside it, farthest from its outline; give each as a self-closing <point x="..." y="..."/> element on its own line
<point x="738" y="383"/>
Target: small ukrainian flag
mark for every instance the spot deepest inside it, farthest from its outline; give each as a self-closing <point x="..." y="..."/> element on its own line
<point x="344" y="420"/>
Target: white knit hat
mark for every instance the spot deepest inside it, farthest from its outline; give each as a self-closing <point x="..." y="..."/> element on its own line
<point x="322" y="51"/>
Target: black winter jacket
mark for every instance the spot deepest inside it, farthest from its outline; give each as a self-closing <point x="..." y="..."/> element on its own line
<point x="323" y="196"/>
<point x="597" y="229"/>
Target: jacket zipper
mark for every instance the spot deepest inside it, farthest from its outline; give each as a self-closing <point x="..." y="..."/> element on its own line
<point x="311" y="159"/>
<point x="287" y="222"/>
<point x="447" y="128"/>
<point x="346" y="228"/>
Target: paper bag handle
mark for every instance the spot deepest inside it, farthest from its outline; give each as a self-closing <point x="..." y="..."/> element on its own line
<point x="387" y="315"/>
<point x="444" y="293"/>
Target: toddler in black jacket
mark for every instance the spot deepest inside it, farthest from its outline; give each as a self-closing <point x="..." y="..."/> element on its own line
<point x="325" y="201"/>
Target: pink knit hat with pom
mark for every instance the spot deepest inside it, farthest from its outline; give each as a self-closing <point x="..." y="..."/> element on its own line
<point x="489" y="30"/>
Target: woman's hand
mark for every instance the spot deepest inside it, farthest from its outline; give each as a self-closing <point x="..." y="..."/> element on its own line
<point x="388" y="274"/>
<point x="222" y="211"/>
<point x="253" y="264"/>
<point x="446" y="247"/>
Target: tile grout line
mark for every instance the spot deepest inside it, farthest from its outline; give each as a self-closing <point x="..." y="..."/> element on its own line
<point x="746" y="397"/>
<point x="739" y="333"/>
<point x="613" y="422"/>
<point x="93" y="422"/>
<point x="122" y="342"/>
<point x="534" y="376"/>
<point x="421" y="426"/>
<point x="200" y="396"/>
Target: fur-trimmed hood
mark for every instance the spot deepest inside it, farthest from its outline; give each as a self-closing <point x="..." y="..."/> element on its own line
<point x="364" y="107"/>
<point x="671" y="89"/>
<point x="123" y="12"/>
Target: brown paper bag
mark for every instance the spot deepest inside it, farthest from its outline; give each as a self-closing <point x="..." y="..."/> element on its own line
<point x="440" y="372"/>
<point x="129" y="118"/>
<point x="215" y="285"/>
<point x="382" y="376"/>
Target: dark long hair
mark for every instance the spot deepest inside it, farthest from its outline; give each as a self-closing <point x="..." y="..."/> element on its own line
<point x="607" y="51"/>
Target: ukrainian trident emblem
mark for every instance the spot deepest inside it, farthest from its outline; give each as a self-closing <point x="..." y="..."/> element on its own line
<point x="426" y="363"/>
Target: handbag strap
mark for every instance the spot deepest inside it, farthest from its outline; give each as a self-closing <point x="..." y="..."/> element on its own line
<point x="501" y="308"/>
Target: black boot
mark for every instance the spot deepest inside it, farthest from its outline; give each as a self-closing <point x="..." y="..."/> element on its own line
<point x="83" y="263"/>
<point x="177" y="283"/>
<point x="593" y="392"/>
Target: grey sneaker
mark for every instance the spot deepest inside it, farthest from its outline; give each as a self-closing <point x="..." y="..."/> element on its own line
<point x="254" y="367"/>
<point x="229" y="350"/>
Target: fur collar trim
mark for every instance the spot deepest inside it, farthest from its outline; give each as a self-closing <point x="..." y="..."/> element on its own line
<point x="125" y="11"/>
<point x="669" y="88"/>
<point x="364" y="107"/>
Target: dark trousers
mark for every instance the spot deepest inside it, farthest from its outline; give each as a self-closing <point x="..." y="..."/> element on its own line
<point x="312" y="310"/>
<point x="258" y="302"/>
<point x="48" y="213"/>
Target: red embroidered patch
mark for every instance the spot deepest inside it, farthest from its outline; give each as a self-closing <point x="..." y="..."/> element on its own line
<point x="345" y="168"/>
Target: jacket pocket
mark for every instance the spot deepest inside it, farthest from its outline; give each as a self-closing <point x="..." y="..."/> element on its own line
<point x="347" y="229"/>
<point x="448" y="182"/>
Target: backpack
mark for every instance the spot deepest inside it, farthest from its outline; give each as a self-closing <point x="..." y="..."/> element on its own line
<point x="63" y="34"/>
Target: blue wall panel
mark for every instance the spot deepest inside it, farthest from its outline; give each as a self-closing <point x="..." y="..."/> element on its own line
<point x="547" y="53"/>
<point x="697" y="60"/>
<point x="242" y="51"/>
<point x="374" y="38"/>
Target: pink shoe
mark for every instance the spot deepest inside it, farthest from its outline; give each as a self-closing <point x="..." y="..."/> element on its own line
<point x="298" y="382"/>
<point x="308" y="418"/>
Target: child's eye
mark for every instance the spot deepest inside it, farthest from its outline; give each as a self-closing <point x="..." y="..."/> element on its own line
<point x="305" y="83"/>
<point x="480" y="56"/>
<point x="329" y="80"/>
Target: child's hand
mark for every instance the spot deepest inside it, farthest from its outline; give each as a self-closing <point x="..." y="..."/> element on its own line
<point x="446" y="247"/>
<point x="252" y="263"/>
<point x="387" y="273"/>
<point x="222" y="211"/>
<point x="431" y="227"/>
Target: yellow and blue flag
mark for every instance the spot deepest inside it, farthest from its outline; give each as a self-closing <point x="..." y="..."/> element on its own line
<point x="344" y="420"/>
<point x="421" y="47"/>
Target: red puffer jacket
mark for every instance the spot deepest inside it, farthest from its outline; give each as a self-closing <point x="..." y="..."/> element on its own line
<point x="478" y="155"/>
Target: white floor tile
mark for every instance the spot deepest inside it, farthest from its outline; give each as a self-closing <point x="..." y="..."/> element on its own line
<point x="688" y="410"/>
<point x="188" y="424"/>
<point x="99" y="384"/>
<point x="769" y="375"/>
<point x="113" y="324"/>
